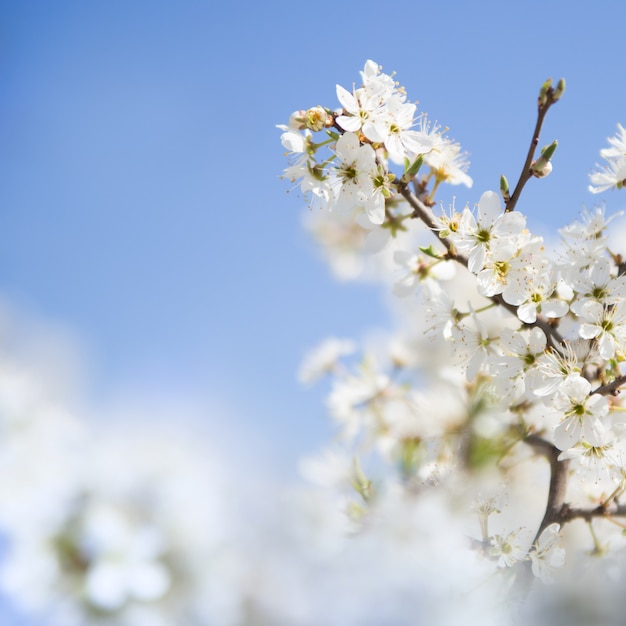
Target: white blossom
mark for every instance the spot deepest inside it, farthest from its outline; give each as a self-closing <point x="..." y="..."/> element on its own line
<point x="547" y="554"/>
<point x="448" y="163"/>
<point x="605" y="324"/>
<point x="324" y="358"/>
<point x="618" y="143"/>
<point x="582" y="414"/>
<point x="611" y="175"/>
<point x="492" y="234"/>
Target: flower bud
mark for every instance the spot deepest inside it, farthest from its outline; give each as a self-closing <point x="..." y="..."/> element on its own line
<point x="559" y="90"/>
<point x="504" y="188"/>
<point x="542" y="170"/>
<point x="548" y="151"/>
<point x="542" y="166"/>
<point x="317" y="118"/>
<point x="544" y="93"/>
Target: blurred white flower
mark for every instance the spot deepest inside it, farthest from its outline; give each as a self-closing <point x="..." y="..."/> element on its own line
<point x="138" y="532"/>
<point x="323" y="359"/>
<point x="547" y="554"/>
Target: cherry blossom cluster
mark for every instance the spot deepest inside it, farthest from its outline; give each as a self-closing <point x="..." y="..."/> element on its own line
<point x="582" y="296"/>
<point x="508" y="353"/>
<point x="375" y="125"/>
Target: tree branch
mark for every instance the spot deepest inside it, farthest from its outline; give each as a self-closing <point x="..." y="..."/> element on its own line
<point x="612" y="388"/>
<point x="547" y="97"/>
<point x="569" y="513"/>
<point x="557" y="510"/>
<point x="558" y="481"/>
<point x="526" y="173"/>
<point x="424" y="213"/>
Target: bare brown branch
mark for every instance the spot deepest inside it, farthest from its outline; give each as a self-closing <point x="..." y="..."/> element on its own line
<point x="558" y="481"/>
<point x="526" y="173"/>
<point x="612" y="388"/>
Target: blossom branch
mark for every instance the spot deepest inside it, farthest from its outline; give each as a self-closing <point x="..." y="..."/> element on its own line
<point x="424" y="213"/>
<point x="535" y="376"/>
<point x="547" y="97"/>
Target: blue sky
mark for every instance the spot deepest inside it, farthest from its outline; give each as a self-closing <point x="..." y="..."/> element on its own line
<point x="141" y="210"/>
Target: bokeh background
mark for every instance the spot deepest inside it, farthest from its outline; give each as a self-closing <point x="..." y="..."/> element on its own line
<point x="151" y="257"/>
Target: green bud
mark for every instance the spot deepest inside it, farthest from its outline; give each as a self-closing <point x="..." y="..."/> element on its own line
<point x="548" y="151"/>
<point x="504" y="188"/>
<point x="559" y="91"/>
<point x="544" y="93"/>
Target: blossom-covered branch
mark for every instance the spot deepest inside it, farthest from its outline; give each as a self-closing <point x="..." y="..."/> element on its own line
<point x="526" y="344"/>
<point x="424" y="213"/>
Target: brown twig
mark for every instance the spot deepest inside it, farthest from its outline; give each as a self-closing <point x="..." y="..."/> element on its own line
<point x="526" y="173"/>
<point x="546" y="100"/>
<point x="612" y="388"/>
<point x="558" y="481"/>
<point x="557" y="510"/>
<point x="569" y="513"/>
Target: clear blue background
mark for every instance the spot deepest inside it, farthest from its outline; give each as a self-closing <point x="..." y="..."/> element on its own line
<point x="140" y="200"/>
<point x="140" y="204"/>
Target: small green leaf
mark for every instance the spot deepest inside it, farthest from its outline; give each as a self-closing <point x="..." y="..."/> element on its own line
<point x="411" y="171"/>
<point x="430" y="251"/>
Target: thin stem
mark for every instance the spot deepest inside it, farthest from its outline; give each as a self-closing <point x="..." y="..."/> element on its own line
<point x="598" y="550"/>
<point x="526" y="173"/>
<point x="431" y="195"/>
<point x="315" y="146"/>
<point x="616" y="493"/>
<point x="486" y="307"/>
